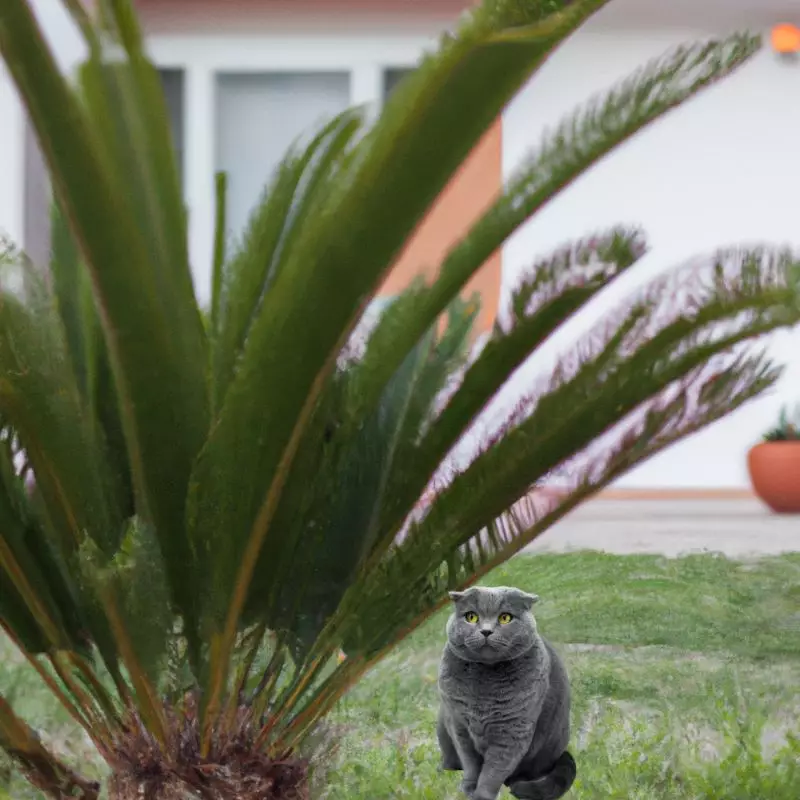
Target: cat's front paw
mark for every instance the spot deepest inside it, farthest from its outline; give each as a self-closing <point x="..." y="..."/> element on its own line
<point x="468" y="787"/>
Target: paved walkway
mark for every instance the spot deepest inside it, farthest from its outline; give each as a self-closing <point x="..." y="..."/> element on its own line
<point x="737" y="528"/>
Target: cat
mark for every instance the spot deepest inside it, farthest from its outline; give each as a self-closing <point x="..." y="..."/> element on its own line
<point x="504" y="699"/>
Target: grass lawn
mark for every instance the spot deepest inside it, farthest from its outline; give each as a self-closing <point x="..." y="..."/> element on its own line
<point x="685" y="675"/>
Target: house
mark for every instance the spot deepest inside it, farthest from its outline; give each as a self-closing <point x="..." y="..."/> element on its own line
<point x="243" y="78"/>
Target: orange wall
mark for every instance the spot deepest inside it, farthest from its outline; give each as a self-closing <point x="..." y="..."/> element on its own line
<point x="468" y="194"/>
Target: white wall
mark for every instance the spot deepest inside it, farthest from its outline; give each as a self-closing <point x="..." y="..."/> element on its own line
<point x="723" y="169"/>
<point x="68" y="49"/>
<point x="12" y="136"/>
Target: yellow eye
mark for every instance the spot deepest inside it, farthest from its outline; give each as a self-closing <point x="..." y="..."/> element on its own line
<point x="504" y="619"/>
<point x="471" y="617"/>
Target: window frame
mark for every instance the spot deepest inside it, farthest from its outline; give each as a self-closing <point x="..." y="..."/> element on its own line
<point x="202" y="56"/>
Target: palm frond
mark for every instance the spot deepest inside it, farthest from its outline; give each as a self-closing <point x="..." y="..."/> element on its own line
<point x="338" y="518"/>
<point x="369" y="471"/>
<point x="220" y="248"/>
<point x="414" y="580"/>
<point x="668" y="359"/>
<point x="62" y="498"/>
<point x="566" y="152"/>
<point x="135" y="579"/>
<point x="428" y="127"/>
<point x="111" y="162"/>
<point x="675" y="325"/>
<point x="88" y="354"/>
<point x="270" y="239"/>
<point x="40" y="400"/>
<point x="43" y="607"/>
<point x="44" y="770"/>
<point x="552" y="291"/>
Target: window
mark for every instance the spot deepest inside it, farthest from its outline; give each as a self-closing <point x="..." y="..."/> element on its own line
<point x="392" y="77"/>
<point x="259" y="116"/>
<point x="172" y="82"/>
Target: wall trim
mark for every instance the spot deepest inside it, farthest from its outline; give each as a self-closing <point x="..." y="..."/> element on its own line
<point x="676" y="494"/>
<point x="656" y="494"/>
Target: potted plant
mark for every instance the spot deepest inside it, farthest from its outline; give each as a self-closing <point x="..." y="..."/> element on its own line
<point x="774" y="465"/>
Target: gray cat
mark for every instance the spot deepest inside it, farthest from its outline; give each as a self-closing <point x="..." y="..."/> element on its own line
<point x="504" y="714"/>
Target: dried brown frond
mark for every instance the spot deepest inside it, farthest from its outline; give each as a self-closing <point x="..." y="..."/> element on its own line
<point x="234" y="769"/>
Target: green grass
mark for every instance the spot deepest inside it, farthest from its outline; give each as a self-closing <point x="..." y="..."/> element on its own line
<point x="684" y="675"/>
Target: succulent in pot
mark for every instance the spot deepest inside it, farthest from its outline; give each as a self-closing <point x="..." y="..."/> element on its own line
<point x="774" y="464"/>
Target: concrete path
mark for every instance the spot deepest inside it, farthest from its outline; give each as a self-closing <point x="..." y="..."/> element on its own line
<point x="737" y="528"/>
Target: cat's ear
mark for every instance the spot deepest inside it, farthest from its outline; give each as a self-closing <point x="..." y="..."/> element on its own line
<point x="456" y="596"/>
<point x="528" y="600"/>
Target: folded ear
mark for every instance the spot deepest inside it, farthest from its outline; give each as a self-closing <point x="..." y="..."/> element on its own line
<point x="456" y="596"/>
<point x="528" y="600"/>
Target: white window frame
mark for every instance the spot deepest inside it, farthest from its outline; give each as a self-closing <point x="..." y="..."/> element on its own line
<point x="202" y="56"/>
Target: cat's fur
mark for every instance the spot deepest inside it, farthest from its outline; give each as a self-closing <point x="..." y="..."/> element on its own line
<point x="504" y="713"/>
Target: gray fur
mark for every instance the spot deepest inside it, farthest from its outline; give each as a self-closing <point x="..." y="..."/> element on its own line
<point x="504" y="713"/>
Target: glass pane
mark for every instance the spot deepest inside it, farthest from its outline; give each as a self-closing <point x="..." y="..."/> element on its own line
<point x="172" y="81"/>
<point x="391" y="77"/>
<point x="259" y="116"/>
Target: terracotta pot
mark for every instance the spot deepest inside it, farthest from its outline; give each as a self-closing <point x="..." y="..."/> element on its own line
<point x="775" y="474"/>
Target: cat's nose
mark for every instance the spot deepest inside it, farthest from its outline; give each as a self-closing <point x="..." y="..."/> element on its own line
<point x="487" y="632"/>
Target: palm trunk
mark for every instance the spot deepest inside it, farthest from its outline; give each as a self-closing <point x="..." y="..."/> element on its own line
<point x="239" y="779"/>
<point x="124" y="787"/>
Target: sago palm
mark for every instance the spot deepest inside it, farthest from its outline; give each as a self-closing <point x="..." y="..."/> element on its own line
<point x="211" y="527"/>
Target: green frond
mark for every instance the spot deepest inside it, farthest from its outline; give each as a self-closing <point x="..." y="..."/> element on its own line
<point x="566" y="152"/>
<point x="553" y="291"/>
<point x="136" y="580"/>
<point x="271" y="237"/>
<point x="16" y="616"/>
<point x="89" y="355"/>
<point x="40" y="400"/>
<point x="427" y="129"/>
<point x="110" y="157"/>
<point x="70" y="285"/>
<point x="323" y="532"/>
<point x="41" y="605"/>
<point x="391" y="606"/>
<point x="65" y="493"/>
<point x="220" y="248"/>
<point x="448" y="356"/>
<point x="30" y="610"/>
<point x="703" y="398"/>
<point x="675" y="368"/>
<point x="675" y="326"/>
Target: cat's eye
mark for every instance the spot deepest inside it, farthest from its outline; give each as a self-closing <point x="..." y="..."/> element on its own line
<point x="504" y="619"/>
<point x="471" y="617"/>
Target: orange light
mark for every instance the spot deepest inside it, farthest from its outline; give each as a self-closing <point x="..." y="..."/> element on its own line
<point x="786" y="38"/>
